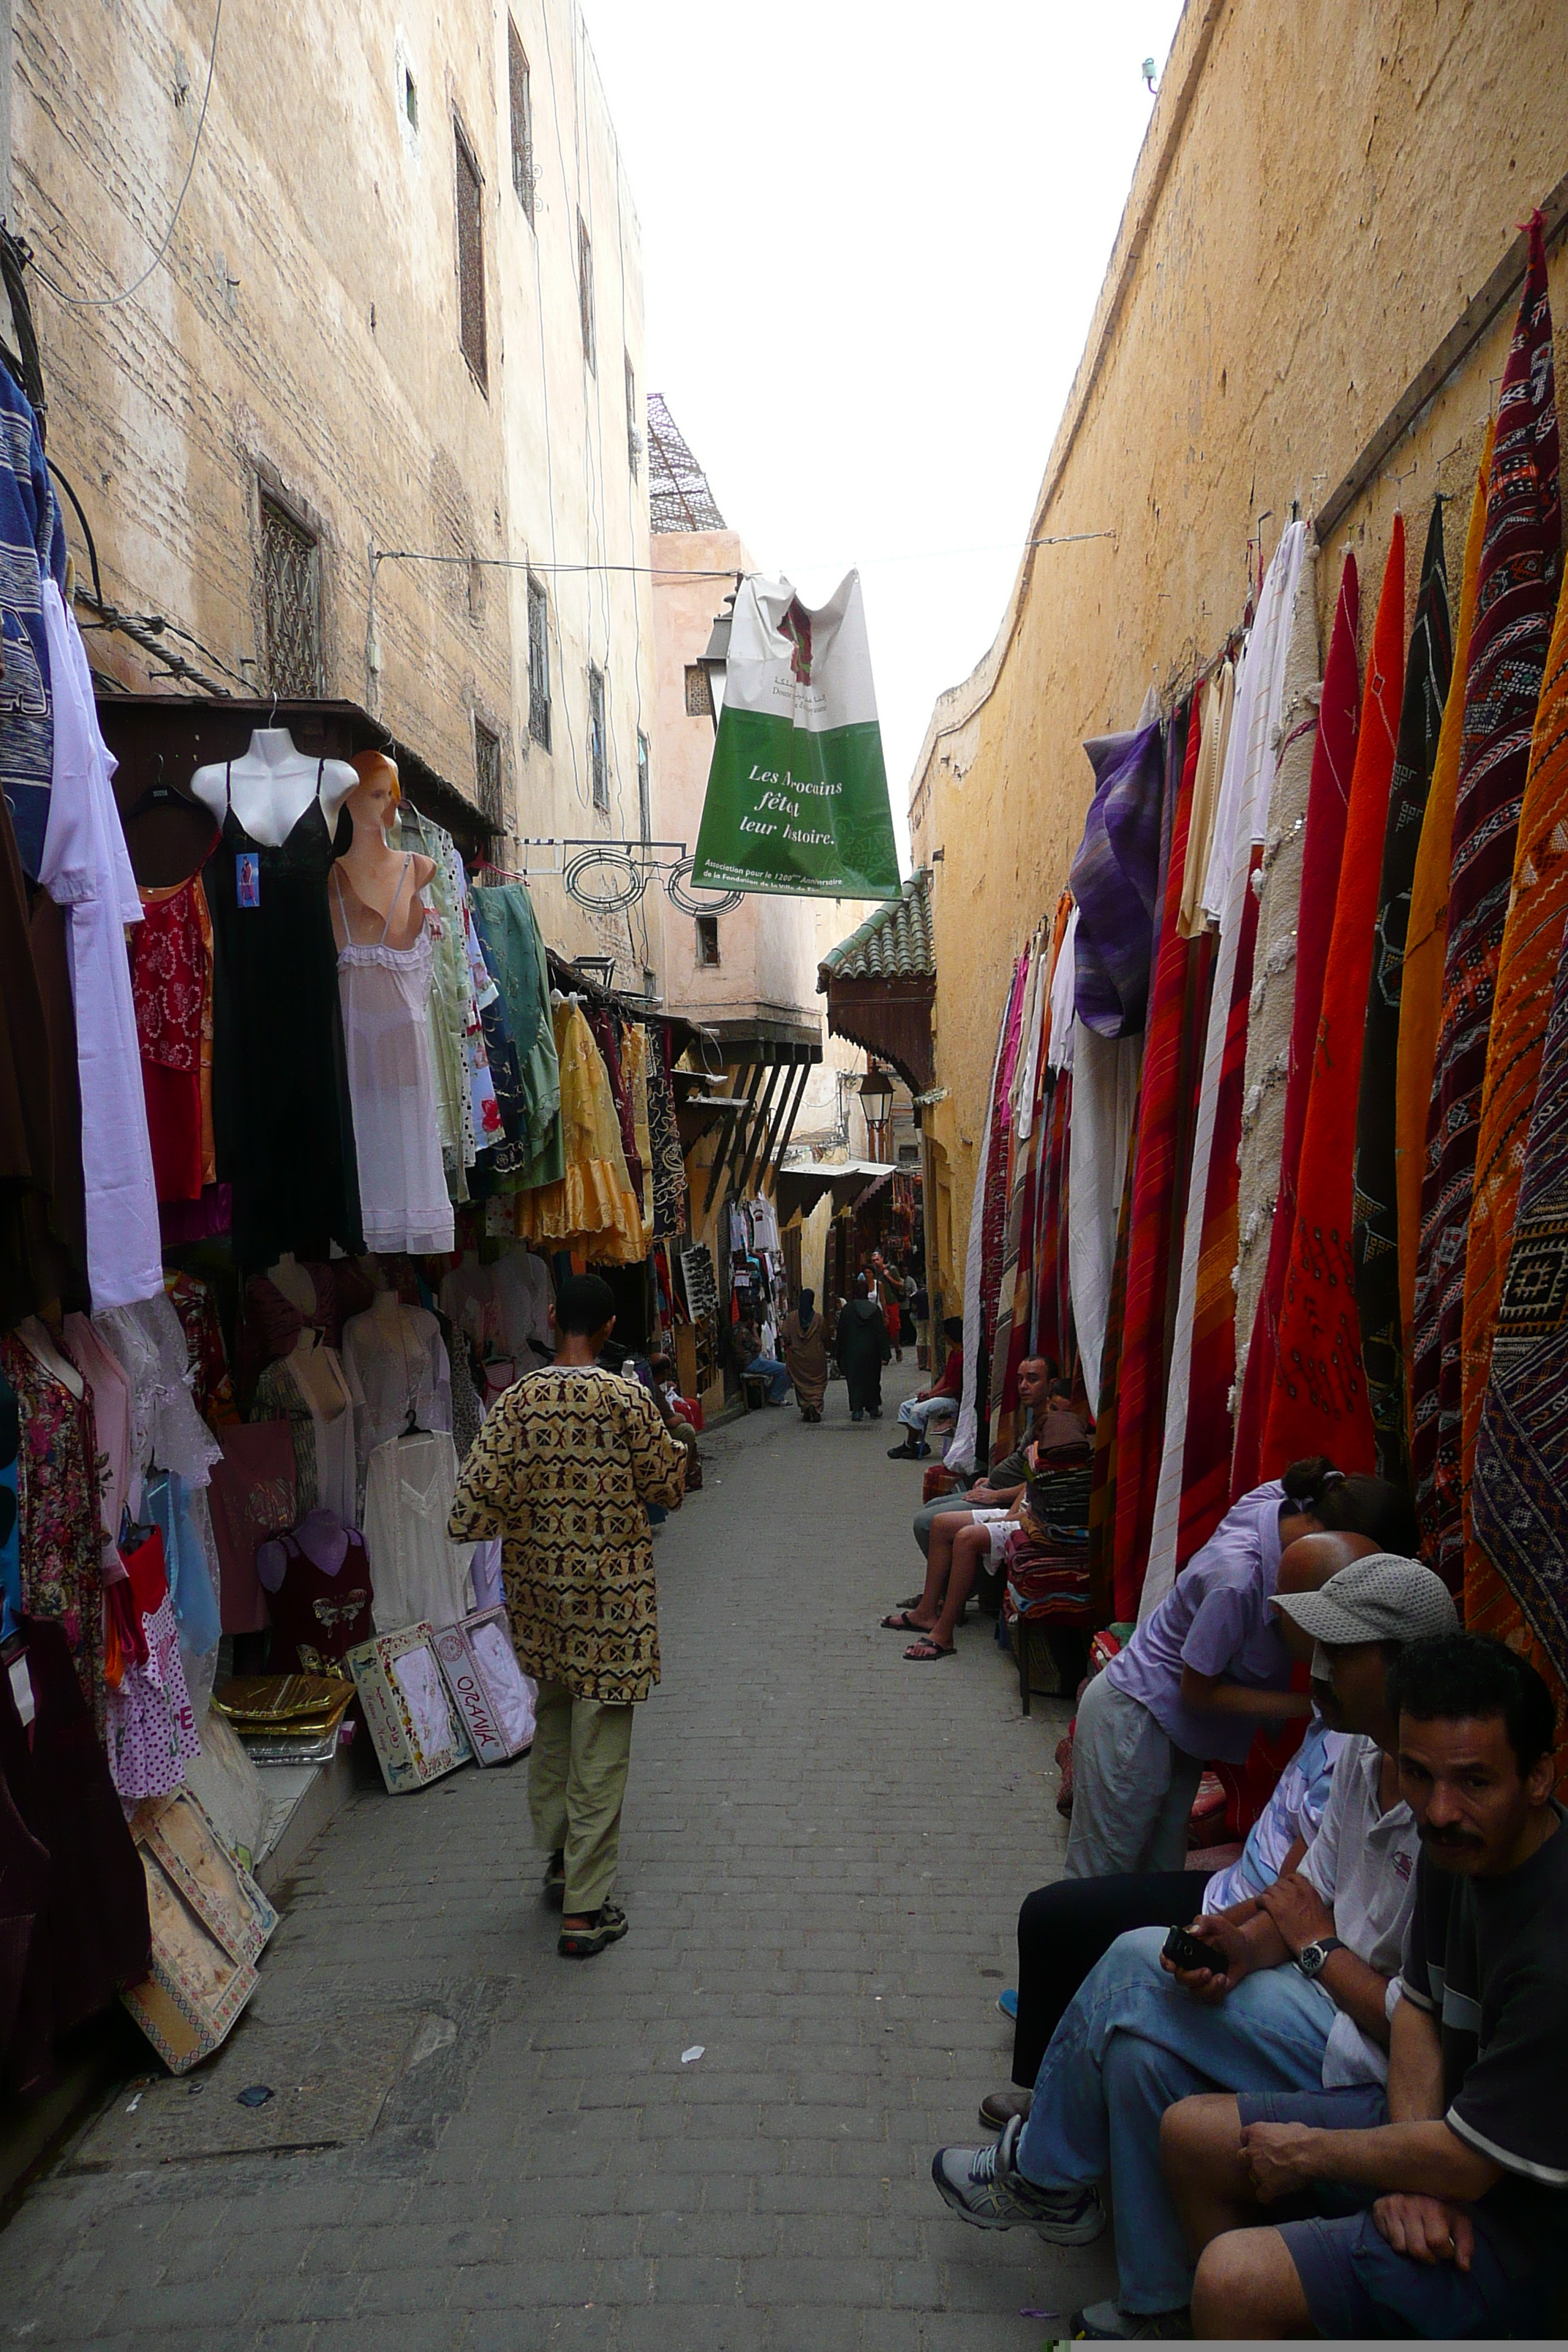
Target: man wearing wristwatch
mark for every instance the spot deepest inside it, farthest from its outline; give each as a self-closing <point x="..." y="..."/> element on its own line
<point x="1298" y="1997"/>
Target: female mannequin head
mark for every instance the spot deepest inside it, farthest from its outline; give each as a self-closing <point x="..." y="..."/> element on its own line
<point x="374" y="800"/>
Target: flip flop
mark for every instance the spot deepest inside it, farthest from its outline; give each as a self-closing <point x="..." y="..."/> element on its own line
<point x="900" y="1621"/>
<point x="926" y="1652"/>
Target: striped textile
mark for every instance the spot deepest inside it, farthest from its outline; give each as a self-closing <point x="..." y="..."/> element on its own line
<point x="1531" y="946"/>
<point x="998" y="1179"/>
<point x="1272" y="1014"/>
<point x="1327" y="802"/>
<point x="1319" y="1403"/>
<point x="1158" y="1202"/>
<point x="1515" y="598"/>
<point x="1519" y="1496"/>
<point x="1427" y="936"/>
<point x="1375" y="1227"/>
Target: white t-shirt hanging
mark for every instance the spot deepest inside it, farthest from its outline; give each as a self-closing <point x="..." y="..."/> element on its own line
<point x="86" y="869"/>
<point x="419" y="1575"/>
<point x="396" y="1364"/>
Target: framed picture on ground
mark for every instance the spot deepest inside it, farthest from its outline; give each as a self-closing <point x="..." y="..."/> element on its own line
<point x="416" y="1735"/>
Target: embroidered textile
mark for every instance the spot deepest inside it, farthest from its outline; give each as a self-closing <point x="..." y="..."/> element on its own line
<point x="1375" y="1226"/>
<point x="562" y="1472"/>
<point x="61" y="1551"/>
<point x="1531" y="948"/>
<point x="28" y="528"/>
<point x="1272" y="1010"/>
<point x="1114" y="878"/>
<point x="1319" y="1403"/>
<point x="1421" y="992"/>
<point x="1158" y="1204"/>
<point x="669" y="1164"/>
<point x="1515" y="599"/>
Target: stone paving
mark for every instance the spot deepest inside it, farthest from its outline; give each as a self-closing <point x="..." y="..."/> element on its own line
<point x="823" y="1853"/>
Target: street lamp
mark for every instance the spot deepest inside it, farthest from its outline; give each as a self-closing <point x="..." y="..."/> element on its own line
<point x="715" y="662"/>
<point x="875" y="1098"/>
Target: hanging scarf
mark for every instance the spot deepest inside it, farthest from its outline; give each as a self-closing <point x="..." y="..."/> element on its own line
<point x="1319" y="1403"/>
<point x="1271" y="1012"/>
<point x="1518" y="1496"/>
<point x="1375" y="1227"/>
<point x="1114" y="878"/>
<point x="1158" y="1202"/>
<point x="1515" y="599"/>
<point x="961" y="1452"/>
<point x="1531" y="946"/>
<point x="1104" y="1585"/>
<point x="1425" y="940"/>
<point x="1327" y="802"/>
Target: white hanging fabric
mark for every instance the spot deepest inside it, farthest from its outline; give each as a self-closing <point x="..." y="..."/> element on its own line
<point x="1104" y="1099"/>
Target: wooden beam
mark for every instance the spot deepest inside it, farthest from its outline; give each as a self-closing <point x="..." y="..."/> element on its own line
<point x="722" y="1158"/>
<point x="792" y="1104"/>
<point x="759" y="1125"/>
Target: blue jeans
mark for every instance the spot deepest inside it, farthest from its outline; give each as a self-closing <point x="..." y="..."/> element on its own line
<point x="1131" y="2043"/>
<point x="918" y="1412"/>
<point x="768" y="1368"/>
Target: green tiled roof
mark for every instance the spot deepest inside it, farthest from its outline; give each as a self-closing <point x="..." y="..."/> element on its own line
<point x="895" y="943"/>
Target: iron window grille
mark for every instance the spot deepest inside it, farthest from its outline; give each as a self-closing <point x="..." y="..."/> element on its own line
<point x="585" y="292"/>
<point x="698" y="692"/>
<point x="538" y="663"/>
<point x="598" y="760"/>
<point x="486" y="773"/>
<point x="645" y="792"/>
<point x="521" y="119"/>
<point x="291" y="603"/>
<point x="470" y="261"/>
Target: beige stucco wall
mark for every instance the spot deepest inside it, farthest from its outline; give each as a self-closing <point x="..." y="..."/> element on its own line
<point x="304" y="329"/>
<point x="1321" y="192"/>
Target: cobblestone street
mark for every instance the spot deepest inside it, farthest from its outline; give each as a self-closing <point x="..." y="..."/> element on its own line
<point x="822" y="1855"/>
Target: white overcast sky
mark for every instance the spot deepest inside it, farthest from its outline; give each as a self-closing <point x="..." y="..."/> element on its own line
<point x="872" y="240"/>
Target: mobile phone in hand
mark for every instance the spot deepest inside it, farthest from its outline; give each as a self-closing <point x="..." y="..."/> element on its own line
<point x="1186" y="1950"/>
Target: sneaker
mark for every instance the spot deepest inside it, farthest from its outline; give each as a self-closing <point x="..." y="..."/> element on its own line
<point x="606" y="1925"/>
<point x="553" y="1887"/>
<point x="905" y="1453"/>
<point x="983" y="2184"/>
<point x="1008" y="2001"/>
<point x="1107" y="2323"/>
<point x="999" y="2108"/>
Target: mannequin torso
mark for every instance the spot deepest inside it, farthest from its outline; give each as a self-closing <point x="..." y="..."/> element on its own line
<point x="270" y="788"/>
<point x="385" y="882"/>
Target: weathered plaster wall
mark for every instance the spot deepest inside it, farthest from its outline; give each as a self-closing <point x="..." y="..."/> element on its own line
<point x="304" y="331"/>
<point x="1321" y="192"/>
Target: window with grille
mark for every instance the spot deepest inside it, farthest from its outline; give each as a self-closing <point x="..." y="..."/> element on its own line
<point x="633" y="438"/>
<point x="521" y="119"/>
<point x="470" y="261"/>
<point x="598" y="755"/>
<point x="698" y="692"/>
<point x="291" y="603"/>
<point x="538" y="663"/>
<point x="708" y="942"/>
<point x="486" y="773"/>
<point x="645" y="794"/>
<point x="585" y="292"/>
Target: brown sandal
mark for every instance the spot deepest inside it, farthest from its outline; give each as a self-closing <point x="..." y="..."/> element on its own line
<point x="926" y="1652"/>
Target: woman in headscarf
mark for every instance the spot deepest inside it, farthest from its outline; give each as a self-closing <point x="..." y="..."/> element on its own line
<point x="803" y="1336"/>
<point x="864" y="1347"/>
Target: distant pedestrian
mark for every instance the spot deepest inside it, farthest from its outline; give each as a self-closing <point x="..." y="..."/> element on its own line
<point x="863" y="1347"/>
<point x="803" y="1335"/>
<point x="563" y="1471"/>
<point x="888" y="1288"/>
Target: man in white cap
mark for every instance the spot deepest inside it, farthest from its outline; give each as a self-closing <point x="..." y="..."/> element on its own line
<point x="1298" y="1998"/>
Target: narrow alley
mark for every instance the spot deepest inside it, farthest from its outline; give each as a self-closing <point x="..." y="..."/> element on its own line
<point x="473" y="2144"/>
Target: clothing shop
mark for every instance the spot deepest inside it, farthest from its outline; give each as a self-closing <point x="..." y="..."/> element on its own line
<point x="302" y="1120"/>
<point x="1277" y="1108"/>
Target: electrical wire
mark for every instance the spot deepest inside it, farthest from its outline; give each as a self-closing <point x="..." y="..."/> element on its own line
<point x="108" y="301"/>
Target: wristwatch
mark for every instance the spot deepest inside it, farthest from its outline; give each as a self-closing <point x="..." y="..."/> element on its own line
<point x="1312" y="1958"/>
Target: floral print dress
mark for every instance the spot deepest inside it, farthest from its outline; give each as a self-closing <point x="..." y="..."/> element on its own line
<point x="57" y="1493"/>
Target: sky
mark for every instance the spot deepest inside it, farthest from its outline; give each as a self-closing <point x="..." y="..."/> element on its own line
<point x="873" y="237"/>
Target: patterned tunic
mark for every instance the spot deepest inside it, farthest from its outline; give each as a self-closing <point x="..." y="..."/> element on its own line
<point x="562" y="1471"/>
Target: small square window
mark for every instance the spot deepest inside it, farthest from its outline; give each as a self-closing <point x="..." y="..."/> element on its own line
<point x="486" y="773"/>
<point x="708" y="943"/>
<point x="470" y="261"/>
<point x="698" y="692"/>
<point x="521" y="119"/>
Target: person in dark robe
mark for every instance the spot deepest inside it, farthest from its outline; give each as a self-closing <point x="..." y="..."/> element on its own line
<point x="803" y="1335"/>
<point x="863" y="1347"/>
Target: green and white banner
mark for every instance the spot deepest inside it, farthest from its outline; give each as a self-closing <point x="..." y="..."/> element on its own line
<point x="797" y="793"/>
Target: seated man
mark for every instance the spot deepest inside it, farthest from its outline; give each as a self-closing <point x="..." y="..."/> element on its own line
<point x="1298" y="1997"/>
<point x="1064" y="1929"/>
<point x="1003" y="1484"/>
<point x="939" y="1402"/>
<point x="751" y="1357"/>
<point x="1442" y="2211"/>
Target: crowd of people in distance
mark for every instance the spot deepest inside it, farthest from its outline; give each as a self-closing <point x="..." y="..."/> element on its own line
<point x="886" y="1314"/>
<point x="1323" y="2080"/>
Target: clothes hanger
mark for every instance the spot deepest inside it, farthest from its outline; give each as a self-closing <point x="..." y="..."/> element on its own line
<point x="161" y="794"/>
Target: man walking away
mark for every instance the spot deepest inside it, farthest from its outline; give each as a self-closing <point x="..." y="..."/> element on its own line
<point x="563" y="1471"/>
<point x="864" y="1347"/>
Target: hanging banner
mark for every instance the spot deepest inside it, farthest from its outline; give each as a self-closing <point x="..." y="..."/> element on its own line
<point x="797" y="793"/>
